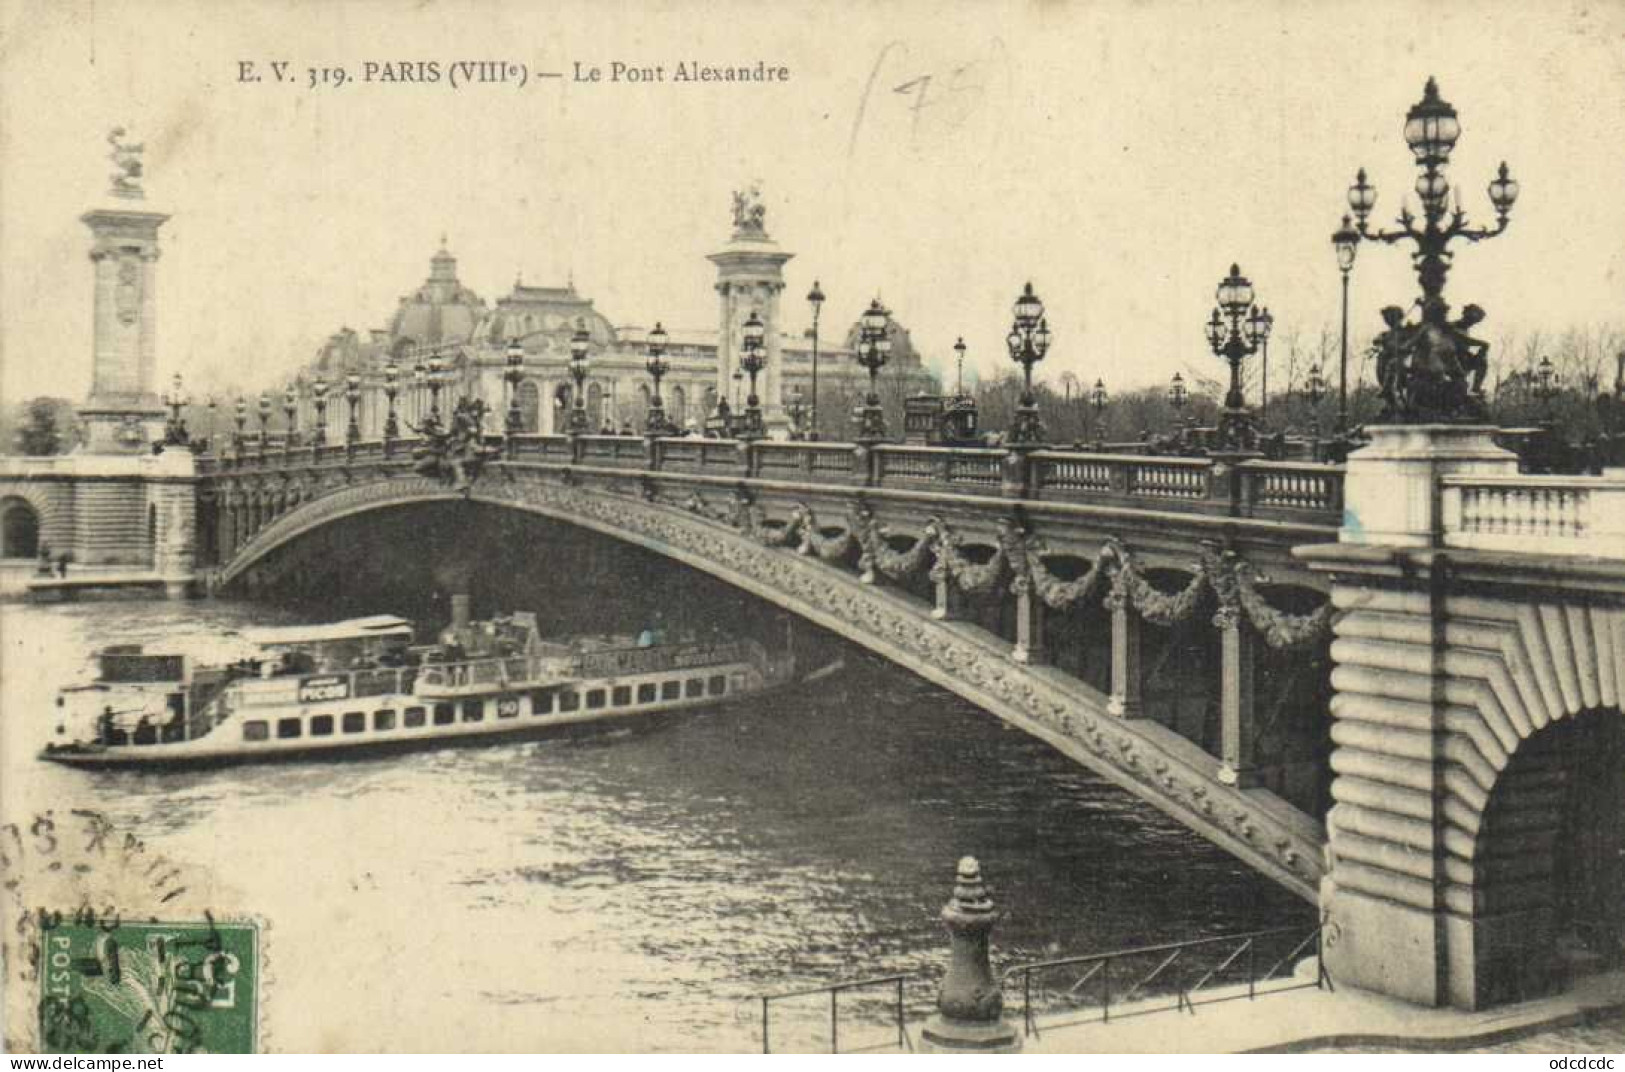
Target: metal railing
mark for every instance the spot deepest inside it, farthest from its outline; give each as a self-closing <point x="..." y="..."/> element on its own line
<point x="835" y="990"/>
<point x="1182" y="975"/>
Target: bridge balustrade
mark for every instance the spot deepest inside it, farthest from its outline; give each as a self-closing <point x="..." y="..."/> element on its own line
<point x="1562" y="515"/>
<point x="823" y="462"/>
<point x="960" y="468"/>
<point x="1292" y="486"/>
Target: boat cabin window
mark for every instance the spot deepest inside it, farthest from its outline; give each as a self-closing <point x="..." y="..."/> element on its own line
<point x="569" y="701"/>
<point x="646" y="692"/>
<point x="383" y="720"/>
<point x="414" y="717"/>
<point x="473" y="710"/>
<point x="595" y="699"/>
<point x="541" y="702"/>
<point x="321" y="726"/>
<point x="716" y="685"/>
<point x="444" y="714"/>
<point x="256" y="730"/>
<point x="623" y="695"/>
<point x="287" y="728"/>
<point x="355" y="721"/>
<point x="671" y="690"/>
<point x="694" y="688"/>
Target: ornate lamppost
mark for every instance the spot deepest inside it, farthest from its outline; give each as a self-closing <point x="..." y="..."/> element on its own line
<point x="751" y="360"/>
<point x="515" y="372"/>
<point x="175" y="433"/>
<point x="290" y="403"/>
<point x="1440" y="374"/>
<point x="265" y="420"/>
<point x="655" y="423"/>
<point x="1315" y="390"/>
<point x="1178" y="397"/>
<point x="352" y="395"/>
<point x="392" y="379"/>
<point x="1028" y="342"/>
<point x="1098" y="399"/>
<point x="1346" y="241"/>
<point x="1259" y="322"/>
<point x="797" y="410"/>
<point x="1229" y="334"/>
<point x="242" y="419"/>
<point x="579" y="343"/>
<point x="874" y="350"/>
<point x="959" y="367"/>
<point x="318" y="394"/>
<point x="436" y="370"/>
<point x="1547" y="385"/>
<point x="815" y="298"/>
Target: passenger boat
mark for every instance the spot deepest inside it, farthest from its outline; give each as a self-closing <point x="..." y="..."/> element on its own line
<point x="361" y="685"/>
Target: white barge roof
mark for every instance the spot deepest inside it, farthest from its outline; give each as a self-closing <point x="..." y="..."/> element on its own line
<point x="377" y="625"/>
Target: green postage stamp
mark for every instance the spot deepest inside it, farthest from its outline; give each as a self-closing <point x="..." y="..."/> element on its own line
<point x="150" y="988"/>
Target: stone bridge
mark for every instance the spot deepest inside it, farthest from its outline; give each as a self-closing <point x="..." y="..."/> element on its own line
<point x="1403" y="706"/>
<point x="973" y="568"/>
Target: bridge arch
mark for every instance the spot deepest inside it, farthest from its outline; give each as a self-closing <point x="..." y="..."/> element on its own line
<point x="1044" y="702"/>
<point x="21" y="523"/>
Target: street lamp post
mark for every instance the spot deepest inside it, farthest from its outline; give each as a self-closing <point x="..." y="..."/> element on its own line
<point x="242" y="419"/>
<point x="352" y="395"/>
<point x="959" y="367"/>
<point x="874" y="350"/>
<point x="1431" y="130"/>
<point x="1178" y="396"/>
<point x="797" y="409"/>
<point x="515" y="373"/>
<point x="1546" y="389"/>
<point x="1316" y="390"/>
<point x="815" y="298"/>
<point x="1229" y="335"/>
<point x="579" y="344"/>
<point x="1346" y="241"/>
<point x="1098" y="399"/>
<point x="392" y="379"/>
<point x="265" y="420"/>
<point x="655" y="423"/>
<point x="751" y="360"/>
<point x="436" y="369"/>
<point x="175" y="434"/>
<point x="290" y="404"/>
<point x="1028" y="341"/>
<point x="1260" y="322"/>
<point x="318" y="392"/>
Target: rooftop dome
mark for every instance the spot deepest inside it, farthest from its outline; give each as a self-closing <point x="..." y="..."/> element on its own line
<point x="541" y="313"/>
<point x="442" y="310"/>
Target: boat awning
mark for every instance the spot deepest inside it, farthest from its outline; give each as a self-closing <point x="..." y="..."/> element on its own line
<point x="376" y="626"/>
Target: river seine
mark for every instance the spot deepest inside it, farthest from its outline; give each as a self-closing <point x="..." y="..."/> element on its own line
<point x="629" y="890"/>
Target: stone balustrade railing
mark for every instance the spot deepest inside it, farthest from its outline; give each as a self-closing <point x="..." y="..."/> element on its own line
<point x="1553" y="515"/>
<point x="1254" y="489"/>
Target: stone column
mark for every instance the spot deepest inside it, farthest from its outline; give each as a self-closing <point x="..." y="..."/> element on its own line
<point x="1031" y="647"/>
<point x="123" y="414"/>
<point x="1125" y="700"/>
<point x="750" y="276"/>
<point x="950" y="604"/>
<point x="970" y="1007"/>
<point x="1237" y="709"/>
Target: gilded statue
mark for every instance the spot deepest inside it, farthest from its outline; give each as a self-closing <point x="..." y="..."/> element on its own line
<point x="127" y="160"/>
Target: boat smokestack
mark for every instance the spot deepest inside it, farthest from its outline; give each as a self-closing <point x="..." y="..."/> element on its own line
<point x="460" y="613"/>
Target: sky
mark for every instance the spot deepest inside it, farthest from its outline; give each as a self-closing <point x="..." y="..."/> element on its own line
<point x="1119" y="155"/>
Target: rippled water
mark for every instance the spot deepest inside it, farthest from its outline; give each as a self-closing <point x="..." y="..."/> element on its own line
<point x="631" y="889"/>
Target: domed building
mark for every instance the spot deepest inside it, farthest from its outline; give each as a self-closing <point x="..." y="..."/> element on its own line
<point x="445" y="342"/>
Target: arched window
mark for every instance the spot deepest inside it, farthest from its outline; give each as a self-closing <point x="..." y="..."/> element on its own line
<point x="19" y="530"/>
<point x="530" y="406"/>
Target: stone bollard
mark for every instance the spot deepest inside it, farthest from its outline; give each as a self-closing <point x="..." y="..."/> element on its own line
<point x="970" y="1006"/>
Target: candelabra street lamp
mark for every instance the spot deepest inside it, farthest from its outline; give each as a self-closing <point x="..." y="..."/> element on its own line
<point x="242" y="420"/>
<point x="1230" y="336"/>
<point x="352" y="395"/>
<point x="435" y="374"/>
<point x="797" y="410"/>
<point x="1028" y="341"/>
<point x="1420" y="391"/>
<point x="815" y="298"/>
<point x="1346" y="241"/>
<point x="579" y="344"/>
<point x="959" y="367"/>
<point x="265" y="420"/>
<point x="1178" y="396"/>
<point x="1547" y="385"/>
<point x="515" y="372"/>
<point x="1097" y="401"/>
<point x="290" y="403"/>
<point x="392" y="379"/>
<point x="751" y="360"/>
<point x="655" y="422"/>
<point x="1315" y="390"/>
<point x="318" y="394"/>
<point x="175" y="434"/>
<point x="874" y="350"/>
<point x="1259" y="322"/>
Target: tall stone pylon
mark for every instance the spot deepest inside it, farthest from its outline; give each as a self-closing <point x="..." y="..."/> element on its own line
<point x="124" y="414"/>
<point x="750" y="275"/>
